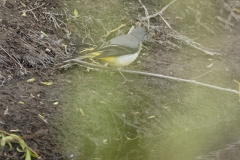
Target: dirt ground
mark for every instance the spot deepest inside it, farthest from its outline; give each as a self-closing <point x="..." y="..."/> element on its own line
<point x="25" y="54"/>
<point x="31" y="44"/>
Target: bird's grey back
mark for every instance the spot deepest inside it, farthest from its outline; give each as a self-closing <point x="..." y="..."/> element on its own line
<point x="133" y="39"/>
<point x="139" y="33"/>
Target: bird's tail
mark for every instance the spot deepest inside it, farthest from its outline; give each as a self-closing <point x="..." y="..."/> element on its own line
<point x="90" y="56"/>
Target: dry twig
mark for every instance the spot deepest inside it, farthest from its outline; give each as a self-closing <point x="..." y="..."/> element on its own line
<point x="156" y="75"/>
<point x="146" y="13"/>
<point x="12" y="58"/>
<point x="179" y="36"/>
<point x="160" y="12"/>
<point x="24" y="11"/>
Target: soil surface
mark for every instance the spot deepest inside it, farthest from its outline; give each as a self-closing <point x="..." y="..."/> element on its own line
<point x="29" y="46"/>
<point x="35" y="36"/>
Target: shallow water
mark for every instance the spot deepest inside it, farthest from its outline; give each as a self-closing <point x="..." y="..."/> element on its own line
<point x="153" y="118"/>
<point x="230" y="152"/>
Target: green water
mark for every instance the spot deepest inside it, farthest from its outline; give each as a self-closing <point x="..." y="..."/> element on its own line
<point x="149" y="118"/>
<point x="114" y="122"/>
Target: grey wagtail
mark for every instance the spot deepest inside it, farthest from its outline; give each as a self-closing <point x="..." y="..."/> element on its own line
<point x="119" y="51"/>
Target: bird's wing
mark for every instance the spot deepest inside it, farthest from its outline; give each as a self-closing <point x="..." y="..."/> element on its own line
<point x="126" y="40"/>
<point x="114" y="51"/>
<point x="121" y="45"/>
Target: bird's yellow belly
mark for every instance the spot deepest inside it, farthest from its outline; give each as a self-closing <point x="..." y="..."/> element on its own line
<point x="120" y="61"/>
<point x="108" y="59"/>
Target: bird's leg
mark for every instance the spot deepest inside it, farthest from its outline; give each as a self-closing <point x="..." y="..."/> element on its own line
<point x="125" y="79"/>
<point x="94" y="62"/>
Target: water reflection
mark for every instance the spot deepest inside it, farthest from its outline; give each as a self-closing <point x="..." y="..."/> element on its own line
<point x="153" y="119"/>
<point x="230" y="152"/>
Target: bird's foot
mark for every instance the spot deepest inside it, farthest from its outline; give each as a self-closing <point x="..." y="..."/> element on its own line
<point x="125" y="79"/>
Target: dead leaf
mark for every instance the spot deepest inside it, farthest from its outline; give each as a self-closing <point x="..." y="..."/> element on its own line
<point x="75" y="13"/>
<point x="151" y="117"/>
<point x="103" y="102"/>
<point x="47" y="83"/>
<point x="24" y="14"/>
<point x="20" y="102"/>
<point x="31" y="95"/>
<point x="81" y="111"/>
<point x="105" y="141"/>
<point x="31" y="80"/>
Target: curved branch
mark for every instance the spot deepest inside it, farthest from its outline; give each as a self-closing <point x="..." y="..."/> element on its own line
<point x="156" y="75"/>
